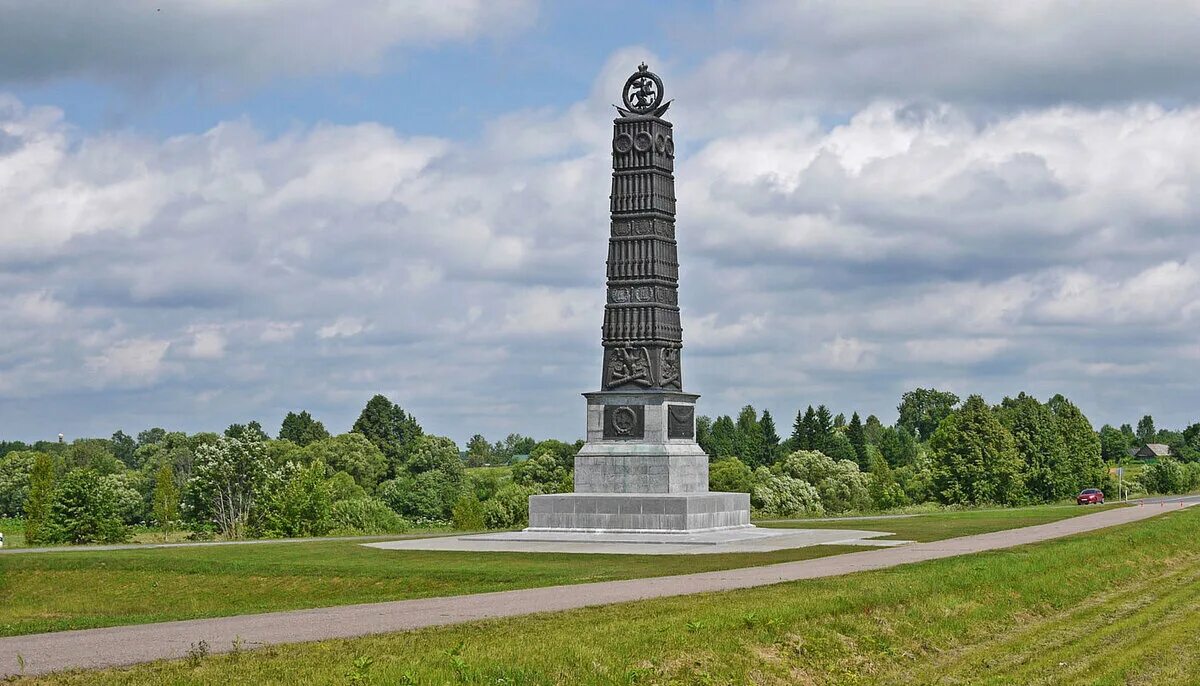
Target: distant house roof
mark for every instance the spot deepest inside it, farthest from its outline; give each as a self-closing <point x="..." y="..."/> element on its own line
<point x="1154" y="450"/>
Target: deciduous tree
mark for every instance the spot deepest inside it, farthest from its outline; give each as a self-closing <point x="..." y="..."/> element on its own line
<point x="166" y="500"/>
<point x="228" y="477"/>
<point x="1039" y="442"/>
<point x="40" y="500"/>
<point x="974" y="458"/>
<point x="1145" y="430"/>
<point x="923" y="409"/>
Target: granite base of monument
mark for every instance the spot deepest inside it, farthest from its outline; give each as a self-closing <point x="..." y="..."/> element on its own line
<point x="652" y="513"/>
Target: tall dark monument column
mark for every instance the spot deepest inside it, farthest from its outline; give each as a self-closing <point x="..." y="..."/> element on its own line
<point x="641" y="469"/>
<point x="642" y="336"/>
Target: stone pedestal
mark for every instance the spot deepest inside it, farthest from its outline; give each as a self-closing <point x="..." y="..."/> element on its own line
<point x="638" y="512"/>
<point x="641" y="471"/>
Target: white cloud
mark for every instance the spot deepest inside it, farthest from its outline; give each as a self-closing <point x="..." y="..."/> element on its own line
<point x="839" y="54"/>
<point x="847" y="354"/>
<point x="129" y="363"/>
<point x="279" y="332"/>
<point x="39" y="307"/>
<point x="954" y="351"/>
<point x="344" y="327"/>
<point x="132" y="41"/>
<point x="1045" y="249"/>
<point x="207" y="344"/>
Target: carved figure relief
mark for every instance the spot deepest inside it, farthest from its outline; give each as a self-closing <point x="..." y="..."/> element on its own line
<point x="629" y="365"/>
<point x="669" y="368"/>
<point x="618" y="295"/>
<point x="643" y="294"/>
<point x="642" y="141"/>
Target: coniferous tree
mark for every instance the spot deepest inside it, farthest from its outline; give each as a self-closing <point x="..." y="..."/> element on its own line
<point x="390" y="428"/>
<point x="250" y="431"/>
<point x="749" y="438"/>
<point x="704" y="434"/>
<point x="802" y="429"/>
<point x="724" y="437"/>
<point x="858" y="439"/>
<point x="873" y="430"/>
<point x="839" y="421"/>
<point x="771" y="448"/>
<point x="898" y="446"/>
<point x="302" y="429"/>
<point x="822" y="429"/>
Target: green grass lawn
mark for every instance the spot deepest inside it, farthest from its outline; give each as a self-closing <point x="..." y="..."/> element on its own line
<point x="936" y="526"/>
<point x="14" y="532"/>
<point x="80" y="589"/>
<point x="1119" y="606"/>
<point x="75" y="590"/>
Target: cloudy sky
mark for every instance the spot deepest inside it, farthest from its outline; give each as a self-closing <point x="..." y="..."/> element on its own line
<point x="214" y="212"/>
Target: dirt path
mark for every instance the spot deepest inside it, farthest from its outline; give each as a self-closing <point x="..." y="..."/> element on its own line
<point x="94" y="648"/>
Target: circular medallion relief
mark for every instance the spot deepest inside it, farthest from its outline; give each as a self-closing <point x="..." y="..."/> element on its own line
<point x="624" y="420"/>
<point x="642" y="141"/>
<point x="643" y="91"/>
<point x="623" y="143"/>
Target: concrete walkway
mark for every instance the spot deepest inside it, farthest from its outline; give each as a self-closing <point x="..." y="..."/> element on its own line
<point x="94" y="648"/>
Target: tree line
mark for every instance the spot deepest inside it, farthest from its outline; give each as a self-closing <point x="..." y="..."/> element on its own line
<point x="940" y="449"/>
<point x="385" y="475"/>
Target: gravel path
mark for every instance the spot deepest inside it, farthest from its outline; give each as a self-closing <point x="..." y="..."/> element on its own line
<point x="94" y="648"/>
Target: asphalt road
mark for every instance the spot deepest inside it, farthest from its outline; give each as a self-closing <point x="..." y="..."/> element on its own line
<point x="116" y="646"/>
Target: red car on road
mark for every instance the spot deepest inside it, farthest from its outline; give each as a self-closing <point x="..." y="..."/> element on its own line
<point x="1090" y="496"/>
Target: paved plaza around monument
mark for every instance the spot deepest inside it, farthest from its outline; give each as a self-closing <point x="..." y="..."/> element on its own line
<point x="747" y="540"/>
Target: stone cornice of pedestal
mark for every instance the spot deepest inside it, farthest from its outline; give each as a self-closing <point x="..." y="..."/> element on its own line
<point x="648" y="395"/>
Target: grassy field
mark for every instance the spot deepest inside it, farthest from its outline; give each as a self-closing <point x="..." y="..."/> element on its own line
<point x="80" y="589"/>
<point x="936" y="526"/>
<point x="1120" y="606"/>
<point x="75" y="590"/>
<point x="14" y="532"/>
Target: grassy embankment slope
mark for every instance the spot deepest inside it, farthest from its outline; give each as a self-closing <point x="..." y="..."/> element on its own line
<point x="78" y="589"/>
<point x="1119" y="606"/>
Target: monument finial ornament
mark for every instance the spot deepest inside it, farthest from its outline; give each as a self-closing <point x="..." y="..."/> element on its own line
<point x="643" y="94"/>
